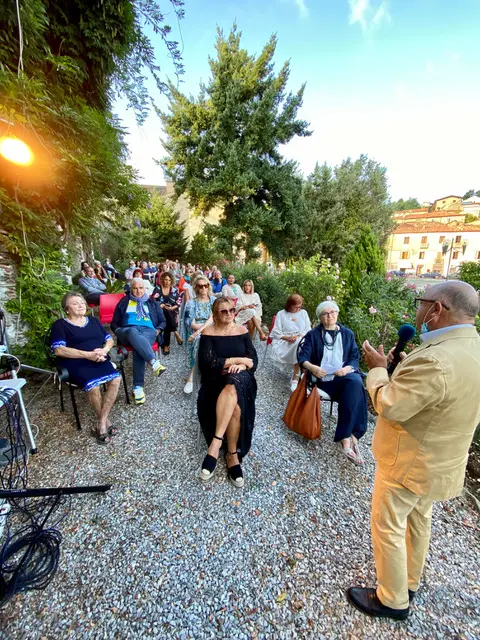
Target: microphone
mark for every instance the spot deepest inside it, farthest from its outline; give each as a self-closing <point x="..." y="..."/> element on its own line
<point x="405" y="334"/>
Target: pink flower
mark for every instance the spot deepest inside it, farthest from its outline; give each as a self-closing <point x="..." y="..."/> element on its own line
<point x="405" y="317"/>
<point x="259" y="278"/>
<point x="372" y="310"/>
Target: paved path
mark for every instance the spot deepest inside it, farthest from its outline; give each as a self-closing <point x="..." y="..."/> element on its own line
<point x="162" y="556"/>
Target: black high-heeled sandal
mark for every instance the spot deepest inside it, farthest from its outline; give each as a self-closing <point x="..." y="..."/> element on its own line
<point x="209" y="465"/>
<point x="235" y="473"/>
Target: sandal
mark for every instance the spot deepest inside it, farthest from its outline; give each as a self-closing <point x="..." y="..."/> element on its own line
<point x="235" y="473"/>
<point x="209" y="466"/>
<point x="166" y="351"/>
<point x="101" y="438"/>
<point x="356" y="450"/>
<point x="178" y="338"/>
<point x="112" y="431"/>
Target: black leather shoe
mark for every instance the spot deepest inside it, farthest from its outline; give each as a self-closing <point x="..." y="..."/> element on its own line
<point x="411" y="595"/>
<point x="366" y="601"/>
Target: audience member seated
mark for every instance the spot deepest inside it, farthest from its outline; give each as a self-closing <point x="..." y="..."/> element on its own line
<point x="110" y="269"/>
<point x="138" y="322"/>
<point x="291" y="324"/>
<point x="92" y="286"/>
<point x="129" y="271"/>
<point x="226" y="401"/>
<point x="231" y="289"/>
<point x="184" y="284"/>
<point x="81" y="345"/>
<point x="198" y="315"/>
<point x="330" y="353"/>
<point x="169" y="298"/>
<point x="217" y="282"/>
<point x="83" y="267"/>
<point x="100" y="272"/>
<point x="249" y="310"/>
<point x="138" y="273"/>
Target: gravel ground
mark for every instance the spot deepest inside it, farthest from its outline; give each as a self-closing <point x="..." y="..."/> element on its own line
<point x="162" y="556"/>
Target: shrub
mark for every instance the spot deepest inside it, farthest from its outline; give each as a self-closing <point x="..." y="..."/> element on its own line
<point x="470" y="272"/>
<point x="366" y="257"/>
<point x="381" y="307"/>
<point x="267" y="285"/>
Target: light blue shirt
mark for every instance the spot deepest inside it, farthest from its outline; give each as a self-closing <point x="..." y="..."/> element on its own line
<point x="438" y="332"/>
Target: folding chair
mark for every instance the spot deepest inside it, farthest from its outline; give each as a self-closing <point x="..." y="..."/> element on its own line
<point x="269" y="340"/>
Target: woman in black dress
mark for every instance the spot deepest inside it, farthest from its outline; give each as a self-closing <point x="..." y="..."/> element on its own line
<point x="226" y="401"/>
<point x="81" y="345"/>
<point x="169" y="298"/>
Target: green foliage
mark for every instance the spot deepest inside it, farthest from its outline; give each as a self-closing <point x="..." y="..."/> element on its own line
<point x="223" y="149"/>
<point x="39" y="293"/>
<point x="470" y="272"/>
<point x="404" y="205"/>
<point x="202" y="251"/>
<point x="366" y="257"/>
<point x="470" y="217"/>
<point x="381" y="306"/>
<point x="340" y="202"/>
<point x="470" y="193"/>
<point x="168" y="232"/>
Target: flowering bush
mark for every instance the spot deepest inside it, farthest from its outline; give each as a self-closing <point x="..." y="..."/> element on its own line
<point x="381" y="307"/>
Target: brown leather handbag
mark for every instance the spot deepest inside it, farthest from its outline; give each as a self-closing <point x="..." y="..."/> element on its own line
<point x="303" y="413"/>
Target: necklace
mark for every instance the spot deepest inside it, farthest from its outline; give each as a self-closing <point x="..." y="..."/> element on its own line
<point x="333" y="333"/>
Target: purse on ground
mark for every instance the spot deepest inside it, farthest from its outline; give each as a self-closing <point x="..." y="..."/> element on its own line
<point x="303" y="412"/>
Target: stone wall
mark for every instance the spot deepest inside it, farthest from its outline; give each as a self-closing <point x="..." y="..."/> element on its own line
<point x="8" y="279"/>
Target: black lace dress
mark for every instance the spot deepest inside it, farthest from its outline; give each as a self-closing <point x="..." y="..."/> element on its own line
<point x="213" y="352"/>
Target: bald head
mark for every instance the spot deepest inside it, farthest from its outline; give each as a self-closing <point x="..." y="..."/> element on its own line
<point x="460" y="297"/>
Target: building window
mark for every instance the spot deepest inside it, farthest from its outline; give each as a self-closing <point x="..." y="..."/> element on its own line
<point x="421" y="255"/>
<point x="458" y="239"/>
<point x="404" y="255"/>
<point x="442" y="239"/>
<point x="406" y="240"/>
<point x="455" y="255"/>
<point x="424" y="240"/>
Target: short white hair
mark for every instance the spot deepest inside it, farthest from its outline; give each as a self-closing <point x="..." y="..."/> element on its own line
<point x="325" y="305"/>
<point x="137" y="280"/>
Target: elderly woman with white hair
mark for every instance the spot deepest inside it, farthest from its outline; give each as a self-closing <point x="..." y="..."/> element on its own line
<point x="331" y="354"/>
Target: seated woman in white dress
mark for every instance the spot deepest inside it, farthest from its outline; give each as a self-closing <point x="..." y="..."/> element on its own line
<point x="291" y="324"/>
<point x="249" y="310"/>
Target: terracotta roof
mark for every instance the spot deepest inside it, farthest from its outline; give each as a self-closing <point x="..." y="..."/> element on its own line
<point x="407" y="211"/>
<point x="445" y="197"/>
<point x="434" y="227"/>
<point x="442" y="213"/>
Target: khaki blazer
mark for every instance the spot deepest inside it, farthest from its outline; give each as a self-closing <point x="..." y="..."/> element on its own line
<point x="428" y="412"/>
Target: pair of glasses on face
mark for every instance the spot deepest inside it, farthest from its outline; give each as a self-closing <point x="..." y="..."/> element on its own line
<point x="328" y="313"/>
<point x="418" y="302"/>
<point x="227" y="312"/>
<point x="202" y="286"/>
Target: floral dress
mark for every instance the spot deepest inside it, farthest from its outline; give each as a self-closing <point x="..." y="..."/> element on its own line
<point x="198" y="312"/>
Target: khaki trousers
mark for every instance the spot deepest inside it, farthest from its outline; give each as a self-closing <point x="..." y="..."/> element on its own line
<point x="401" y="525"/>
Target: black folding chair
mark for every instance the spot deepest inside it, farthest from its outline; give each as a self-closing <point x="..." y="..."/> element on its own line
<point x="63" y="376"/>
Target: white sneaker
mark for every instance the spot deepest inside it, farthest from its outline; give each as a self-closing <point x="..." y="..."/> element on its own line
<point x="139" y="395"/>
<point x="188" y="388"/>
<point x="293" y="385"/>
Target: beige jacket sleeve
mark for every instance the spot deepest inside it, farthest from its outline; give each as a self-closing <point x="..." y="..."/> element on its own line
<point x="417" y="384"/>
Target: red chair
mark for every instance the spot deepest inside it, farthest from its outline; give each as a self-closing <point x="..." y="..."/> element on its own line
<point x="269" y="340"/>
<point x="108" y="302"/>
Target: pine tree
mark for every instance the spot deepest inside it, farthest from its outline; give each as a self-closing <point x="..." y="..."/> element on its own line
<point x="223" y="147"/>
<point x="168" y="234"/>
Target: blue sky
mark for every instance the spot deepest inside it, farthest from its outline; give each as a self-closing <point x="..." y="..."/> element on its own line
<point x="395" y="79"/>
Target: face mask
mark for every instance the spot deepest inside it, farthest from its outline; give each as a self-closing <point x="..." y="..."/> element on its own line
<point x="424" y="327"/>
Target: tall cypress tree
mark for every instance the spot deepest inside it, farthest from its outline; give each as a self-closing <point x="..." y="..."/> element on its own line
<point x="223" y="147"/>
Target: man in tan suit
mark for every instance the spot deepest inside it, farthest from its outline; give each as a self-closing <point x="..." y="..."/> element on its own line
<point x="427" y="415"/>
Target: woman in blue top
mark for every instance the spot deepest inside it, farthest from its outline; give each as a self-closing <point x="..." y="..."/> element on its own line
<point x="81" y="345"/>
<point x="198" y="315"/>
<point x="331" y="354"/>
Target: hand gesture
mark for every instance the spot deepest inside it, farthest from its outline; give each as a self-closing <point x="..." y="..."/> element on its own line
<point x="318" y="372"/>
<point x="236" y="368"/>
<point x="343" y="371"/>
<point x="390" y="354"/>
<point x="374" y="358"/>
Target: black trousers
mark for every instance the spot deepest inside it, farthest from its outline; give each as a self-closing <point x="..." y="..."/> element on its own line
<point x="171" y="319"/>
<point x="351" y="396"/>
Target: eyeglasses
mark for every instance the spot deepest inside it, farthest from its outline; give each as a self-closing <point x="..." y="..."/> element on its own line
<point x="328" y="313"/>
<point x="227" y="312"/>
<point x="202" y="286"/>
<point x="297" y="307"/>
<point x="418" y="301"/>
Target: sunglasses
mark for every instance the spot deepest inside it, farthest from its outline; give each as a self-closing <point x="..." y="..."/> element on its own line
<point x="419" y="300"/>
<point x="202" y="286"/>
<point x="227" y="312"/>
